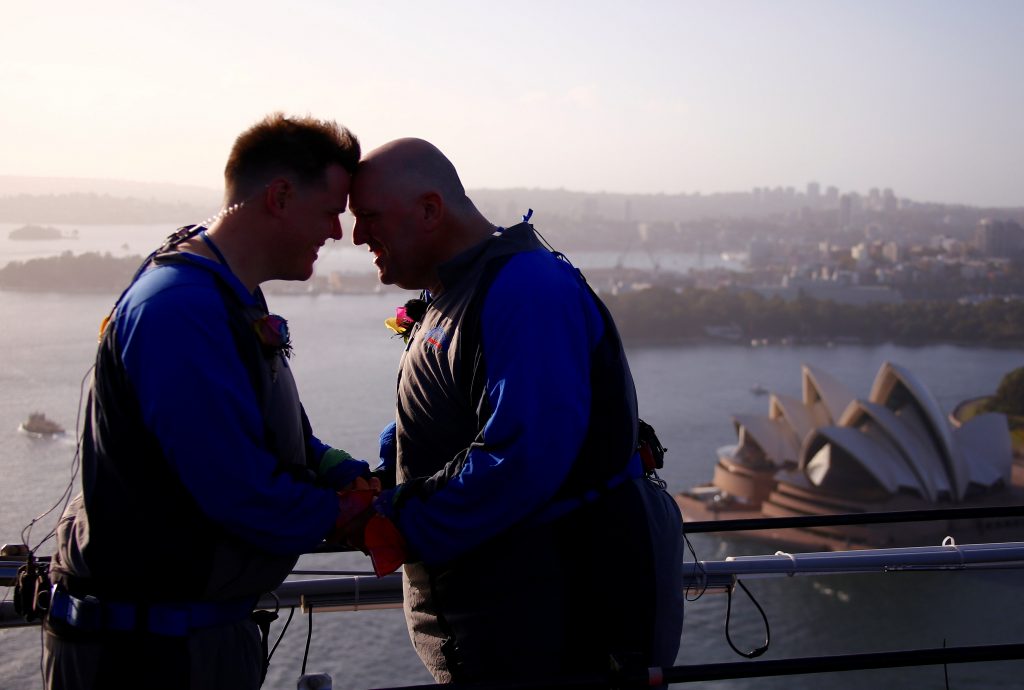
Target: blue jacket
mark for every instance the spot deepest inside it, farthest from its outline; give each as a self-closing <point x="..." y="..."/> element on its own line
<point x="513" y="375"/>
<point x="197" y="457"/>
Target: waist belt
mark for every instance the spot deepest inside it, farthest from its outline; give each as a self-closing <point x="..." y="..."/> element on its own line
<point x="89" y="614"/>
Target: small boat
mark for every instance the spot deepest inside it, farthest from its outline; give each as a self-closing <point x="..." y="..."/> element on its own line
<point x="38" y="424"/>
<point x="758" y="389"/>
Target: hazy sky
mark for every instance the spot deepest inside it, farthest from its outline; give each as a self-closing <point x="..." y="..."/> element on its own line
<point x="926" y="97"/>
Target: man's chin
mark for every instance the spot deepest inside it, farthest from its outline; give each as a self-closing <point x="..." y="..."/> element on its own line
<point x="297" y="276"/>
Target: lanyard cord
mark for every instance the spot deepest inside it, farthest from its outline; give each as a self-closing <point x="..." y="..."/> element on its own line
<point x="214" y="248"/>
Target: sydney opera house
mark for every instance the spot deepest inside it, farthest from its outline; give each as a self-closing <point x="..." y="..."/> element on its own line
<point x="831" y="452"/>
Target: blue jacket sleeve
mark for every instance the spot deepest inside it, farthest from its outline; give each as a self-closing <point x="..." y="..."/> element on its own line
<point x="539" y="327"/>
<point x="197" y="399"/>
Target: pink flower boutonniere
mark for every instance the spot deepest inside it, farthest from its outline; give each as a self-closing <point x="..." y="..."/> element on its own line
<point x="406" y="317"/>
<point x="273" y="334"/>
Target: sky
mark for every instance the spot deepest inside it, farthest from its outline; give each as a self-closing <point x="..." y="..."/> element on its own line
<point x="922" y="96"/>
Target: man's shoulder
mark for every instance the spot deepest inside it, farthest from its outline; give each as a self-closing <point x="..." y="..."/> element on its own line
<point x="536" y="271"/>
<point x="180" y="284"/>
<point x="542" y="285"/>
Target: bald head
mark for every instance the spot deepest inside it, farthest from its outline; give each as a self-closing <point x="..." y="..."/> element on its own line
<point x="407" y="168"/>
<point x="412" y="212"/>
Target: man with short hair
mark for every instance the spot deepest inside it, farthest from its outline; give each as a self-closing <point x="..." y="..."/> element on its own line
<point x="539" y="544"/>
<point x="201" y="479"/>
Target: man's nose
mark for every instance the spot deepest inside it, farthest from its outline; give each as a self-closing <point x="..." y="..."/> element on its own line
<point x="336" y="232"/>
<point x="358" y="233"/>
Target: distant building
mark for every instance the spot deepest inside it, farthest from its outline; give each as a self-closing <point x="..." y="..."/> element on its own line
<point x="845" y="210"/>
<point x="873" y="231"/>
<point x="889" y="202"/>
<point x="1000" y="238"/>
<point x="860" y="253"/>
<point x="759" y="252"/>
<point x="841" y="287"/>
<point x="830" y="450"/>
<point x="892" y="252"/>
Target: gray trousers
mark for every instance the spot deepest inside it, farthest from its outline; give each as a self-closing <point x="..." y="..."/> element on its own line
<point x="227" y="657"/>
<point x="558" y="600"/>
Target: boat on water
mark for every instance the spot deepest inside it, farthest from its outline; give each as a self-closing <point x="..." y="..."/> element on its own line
<point x="38" y="424"/>
<point x="830" y="453"/>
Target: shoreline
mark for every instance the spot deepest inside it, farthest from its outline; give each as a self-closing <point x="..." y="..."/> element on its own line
<point x="656" y="341"/>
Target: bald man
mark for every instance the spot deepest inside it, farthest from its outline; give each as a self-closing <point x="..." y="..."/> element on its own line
<point x="538" y="544"/>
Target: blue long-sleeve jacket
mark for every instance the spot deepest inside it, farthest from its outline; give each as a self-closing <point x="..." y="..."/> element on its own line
<point x="495" y="399"/>
<point x="196" y="396"/>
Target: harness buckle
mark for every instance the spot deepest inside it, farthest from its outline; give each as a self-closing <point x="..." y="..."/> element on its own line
<point x="652" y="453"/>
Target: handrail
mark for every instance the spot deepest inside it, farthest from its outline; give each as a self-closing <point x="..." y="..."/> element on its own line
<point x="353" y="593"/>
<point x="756" y="669"/>
<point x="9" y="566"/>
<point x="837" y="519"/>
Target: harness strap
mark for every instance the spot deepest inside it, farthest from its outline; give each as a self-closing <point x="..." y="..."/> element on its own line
<point x="263" y="619"/>
<point x="89" y="614"/>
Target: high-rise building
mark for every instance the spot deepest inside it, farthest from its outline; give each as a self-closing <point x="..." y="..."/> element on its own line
<point x="998" y="237"/>
<point x="845" y="210"/>
<point x="889" y="202"/>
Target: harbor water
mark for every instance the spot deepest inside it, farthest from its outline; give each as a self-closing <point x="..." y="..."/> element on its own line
<point x="345" y="364"/>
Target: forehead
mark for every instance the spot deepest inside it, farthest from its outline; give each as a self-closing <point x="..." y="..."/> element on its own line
<point x="371" y="188"/>
<point x="337" y="181"/>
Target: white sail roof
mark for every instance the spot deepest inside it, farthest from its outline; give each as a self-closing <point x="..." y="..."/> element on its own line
<point x="793" y="412"/>
<point x="901" y="391"/>
<point x="897" y="441"/>
<point x="871" y="450"/>
<point x="918" y="455"/>
<point x="826" y="397"/>
<point x="774" y="436"/>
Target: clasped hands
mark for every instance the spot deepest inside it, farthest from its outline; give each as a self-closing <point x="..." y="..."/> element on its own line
<point x="362" y="527"/>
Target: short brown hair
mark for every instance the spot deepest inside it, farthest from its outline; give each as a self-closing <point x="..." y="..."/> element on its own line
<point x="278" y="145"/>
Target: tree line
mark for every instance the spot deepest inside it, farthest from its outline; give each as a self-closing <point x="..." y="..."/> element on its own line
<point x="666" y="316"/>
<point x="662" y="315"/>
<point x="88" y="272"/>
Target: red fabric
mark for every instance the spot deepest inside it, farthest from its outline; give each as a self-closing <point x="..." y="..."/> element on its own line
<point x="385" y="544"/>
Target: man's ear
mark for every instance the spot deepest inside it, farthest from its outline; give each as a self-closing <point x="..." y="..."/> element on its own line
<point x="277" y="195"/>
<point x="431" y="209"/>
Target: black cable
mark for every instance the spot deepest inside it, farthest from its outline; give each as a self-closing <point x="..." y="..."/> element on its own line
<point x="700" y="569"/>
<point x="176" y="238"/>
<point x="945" y="667"/>
<point x="65" y="497"/>
<point x="309" y="636"/>
<point x="42" y="672"/>
<point x="758" y="651"/>
<point x="281" y="636"/>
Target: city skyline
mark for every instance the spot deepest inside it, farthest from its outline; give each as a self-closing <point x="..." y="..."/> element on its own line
<point x="660" y="97"/>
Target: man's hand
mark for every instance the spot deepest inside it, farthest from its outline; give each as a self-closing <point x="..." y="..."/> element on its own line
<point x="361" y="484"/>
<point x="339" y="470"/>
<point x="362" y="527"/>
<point x="355" y="507"/>
<point x="388" y="447"/>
